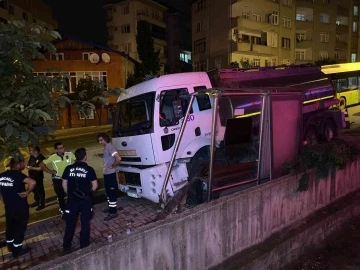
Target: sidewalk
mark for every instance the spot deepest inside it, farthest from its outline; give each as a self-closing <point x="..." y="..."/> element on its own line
<point x="45" y="238"/>
<point x="72" y="132"/>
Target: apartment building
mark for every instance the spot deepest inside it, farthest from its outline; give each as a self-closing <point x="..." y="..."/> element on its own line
<point x="260" y="33"/>
<point x="273" y="32"/>
<point x="122" y="18"/>
<point x="327" y="29"/>
<point x="33" y="11"/>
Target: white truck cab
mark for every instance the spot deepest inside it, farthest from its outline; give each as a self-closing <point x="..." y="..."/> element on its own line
<point x="147" y="122"/>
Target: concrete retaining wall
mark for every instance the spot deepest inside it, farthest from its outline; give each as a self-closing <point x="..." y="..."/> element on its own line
<point x="207" y="235"/>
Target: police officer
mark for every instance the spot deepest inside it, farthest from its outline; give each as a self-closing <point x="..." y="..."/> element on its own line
<point x="59" y="160"/>
<point x="36" y="173"/>
<point x="12" y="187"/>
<point x="111" y="160"/>
<point x="79" y="180"/>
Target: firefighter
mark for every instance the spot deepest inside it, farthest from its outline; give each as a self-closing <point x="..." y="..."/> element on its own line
<point x="59" y="161"/>
<point x="12" y="187"/>
<point x="111" y="160"/>
<point x="79" y="181"/>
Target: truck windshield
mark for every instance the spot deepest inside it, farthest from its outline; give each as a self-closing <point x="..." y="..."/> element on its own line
<point x="134" y="116"/>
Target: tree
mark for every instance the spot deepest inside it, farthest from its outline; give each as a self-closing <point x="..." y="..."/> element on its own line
<point x="28" y="101"/>
<point x="88" y="97"/>
<point x="149" y="57"/>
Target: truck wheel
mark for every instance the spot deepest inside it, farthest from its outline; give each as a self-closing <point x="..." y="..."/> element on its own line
<point x="197" y="168"/>
<point x="342" y="103"/>
<point x="329" y="131"/>
<point x="311" y="135"/>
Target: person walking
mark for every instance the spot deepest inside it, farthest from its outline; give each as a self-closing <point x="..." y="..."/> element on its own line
<point x="111" y="160"/>
<point x="14" y="194"/>
<point x="36" y="173"/>
<point x="79" y="181"/>
<point x="59" y="161"/>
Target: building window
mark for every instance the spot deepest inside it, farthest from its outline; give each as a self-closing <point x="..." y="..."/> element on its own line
<point x="287" y="3"/>
<point x="300" y="17"/>
<point x="355" y="27"/>
<point x="285" y="62"/>
<point x="272" y="39"/>
<point x="324" y="18"/>
<point x="245" y="15"/>
<point x="25" y="16"/>
<point x="88" y="115"/>
<point x="125" y="9"/>
<point x="299" y="55"/>
<point x="199" y="27"/>
<point x="285" y="43"/>
<point x="301" y="36"/>
<point x="125" y="29"/>
<point x="324" y="55"/>
<point x="256" y="62"/>
<point x="218" y="63"/>
<point x="257" y="18"/>
<point x="4" y="4"/>
<point x="127" y="47"/>
<point x="356" y="10"/>
<point x="86" y="55"/>
<point x="273" y="18"/>
<point x="353" y="57"/>
<point x="185" y="57"/>
<point x="286" y="22"/>
<point x="200" y="45"/>
<point x="34" y="20"/>
<point x="354" y="43"/>
<point x="57" y="56"/>
<point x="201" y="5"/>
<point x="324" y="37"/>
<point x="12" y="10"/>
<point x="200" y="65"/>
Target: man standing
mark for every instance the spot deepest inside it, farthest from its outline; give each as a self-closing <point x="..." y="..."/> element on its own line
<point x="111" y="160"/>
<point x="59" y="160"/>
<point x="36" y="173"/>
<point x="12" y="187"/>
<point x="78" y="181"/>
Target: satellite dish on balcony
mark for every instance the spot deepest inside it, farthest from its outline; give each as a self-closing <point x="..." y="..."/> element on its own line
<point x="94" y="58"/>
<point x="105" y="57"/>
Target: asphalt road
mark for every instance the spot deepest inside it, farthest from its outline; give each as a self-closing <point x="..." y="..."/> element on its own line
<point x="92" y="147"/>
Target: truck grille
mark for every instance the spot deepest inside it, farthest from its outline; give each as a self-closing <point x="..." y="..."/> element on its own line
<point x="132" y="179"/>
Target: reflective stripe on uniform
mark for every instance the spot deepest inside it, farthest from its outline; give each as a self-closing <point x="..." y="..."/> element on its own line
<point x="17" y="245"/>
<point x="67" y="211"/>
<point x="9" y="241"/>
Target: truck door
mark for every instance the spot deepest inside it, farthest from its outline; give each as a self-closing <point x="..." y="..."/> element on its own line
<point x="171" y="110"/>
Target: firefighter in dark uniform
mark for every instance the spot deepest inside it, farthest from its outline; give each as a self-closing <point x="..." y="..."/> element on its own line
<point x="79" y="181"/>
<point x="14" y="194"/>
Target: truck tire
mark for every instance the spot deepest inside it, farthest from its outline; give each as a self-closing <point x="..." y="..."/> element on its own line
<point x="196" y="168"/>
<point x="342" y="103"/>
<point x="329" y="131"/>
<point x="311" y="135"/>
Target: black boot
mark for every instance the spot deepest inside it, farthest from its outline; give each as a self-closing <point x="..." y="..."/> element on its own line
<point x="19" y="251"/>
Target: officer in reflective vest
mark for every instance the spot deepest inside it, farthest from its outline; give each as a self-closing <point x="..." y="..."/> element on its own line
<point x="79" y="181"/>
<point x="12" y="187"/>
<point x="59" y="160"/>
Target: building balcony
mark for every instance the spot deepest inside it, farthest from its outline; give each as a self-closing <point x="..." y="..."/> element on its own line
<point x="304" y="25"/>
<point x="341" y="45"/>
<point x="254" y="49"/>
<point x="304" y="44"/>
<point x="146" y="15"/>
<point x="342" y="28"/>
<point x="342" y="11"/>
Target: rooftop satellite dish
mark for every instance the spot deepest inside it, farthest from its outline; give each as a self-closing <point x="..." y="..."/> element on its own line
<point x="105" y="57"/>
<point x="94" y="58"/>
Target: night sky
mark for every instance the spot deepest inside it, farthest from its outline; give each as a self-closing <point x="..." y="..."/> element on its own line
<point x="86" y="19"/>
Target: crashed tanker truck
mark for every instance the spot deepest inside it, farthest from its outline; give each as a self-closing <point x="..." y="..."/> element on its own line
<point x="150" y="117"/>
